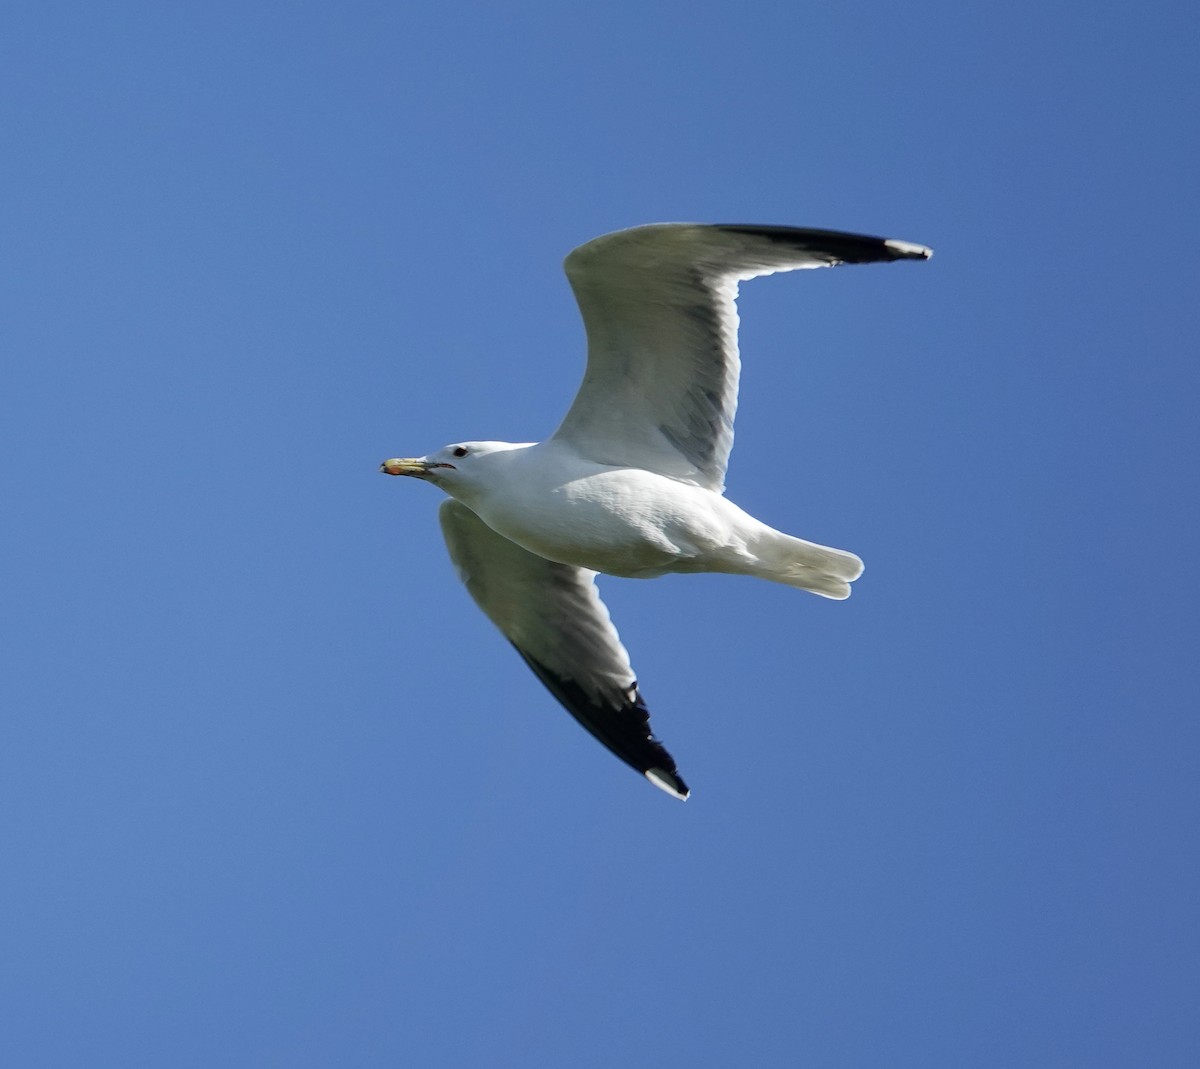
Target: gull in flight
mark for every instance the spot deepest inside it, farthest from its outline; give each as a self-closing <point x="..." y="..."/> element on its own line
<point x="631" y="483"/>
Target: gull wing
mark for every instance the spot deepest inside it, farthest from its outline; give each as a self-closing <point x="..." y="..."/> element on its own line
<point x="553" y="615"/>
<point x="660" y="389"/>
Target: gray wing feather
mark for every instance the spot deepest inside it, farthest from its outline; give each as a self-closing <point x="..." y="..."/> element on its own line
<point x="553" y="615"/>
<point x="658" y="304"/>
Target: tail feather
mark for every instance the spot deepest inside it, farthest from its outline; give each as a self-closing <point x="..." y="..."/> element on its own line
<point x="827" y="586"/>
<point x="820" y="569"/>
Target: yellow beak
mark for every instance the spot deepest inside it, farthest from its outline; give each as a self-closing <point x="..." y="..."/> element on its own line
<point x="403" y="466"/>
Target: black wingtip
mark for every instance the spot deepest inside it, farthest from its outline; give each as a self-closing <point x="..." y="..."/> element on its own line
<point x="839" y="246"/>
<point x="620" y="720"/>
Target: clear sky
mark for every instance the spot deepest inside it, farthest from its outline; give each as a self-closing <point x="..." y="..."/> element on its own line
<point x="274" y="793"/>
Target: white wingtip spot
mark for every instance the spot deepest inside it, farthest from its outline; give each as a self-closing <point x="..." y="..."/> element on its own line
<point x="909" y="249"/>
<point x="664" y="782"/>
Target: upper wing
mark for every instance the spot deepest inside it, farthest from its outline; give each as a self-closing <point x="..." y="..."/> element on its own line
<point x="661" y="384"/>
<point x="553" y="615"/>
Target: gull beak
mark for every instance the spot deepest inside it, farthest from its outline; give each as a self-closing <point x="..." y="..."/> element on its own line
<point x="401" y="466"/>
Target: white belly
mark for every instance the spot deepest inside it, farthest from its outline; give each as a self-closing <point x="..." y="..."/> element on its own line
<point x="617" y="521"/>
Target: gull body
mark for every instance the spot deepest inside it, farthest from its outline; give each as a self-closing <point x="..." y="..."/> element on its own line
<point x="621" y="521"/>
<point x="632" y="482"/>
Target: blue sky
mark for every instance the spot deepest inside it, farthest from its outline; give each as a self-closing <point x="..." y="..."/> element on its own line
<point x="274" y="793"/>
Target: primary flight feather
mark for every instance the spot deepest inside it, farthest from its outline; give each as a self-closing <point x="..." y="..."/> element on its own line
<point x="631" y="483"/>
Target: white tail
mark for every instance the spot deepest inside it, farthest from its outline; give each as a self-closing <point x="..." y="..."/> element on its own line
<point x="819" y="569"/>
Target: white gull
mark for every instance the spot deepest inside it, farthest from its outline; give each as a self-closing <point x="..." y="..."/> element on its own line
<point x="631" y="483"/>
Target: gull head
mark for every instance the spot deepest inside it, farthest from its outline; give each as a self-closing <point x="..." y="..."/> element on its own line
<point x="453" y="467"/>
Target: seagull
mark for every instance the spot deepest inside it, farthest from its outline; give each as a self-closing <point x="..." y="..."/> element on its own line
<point x="632" y="482"/>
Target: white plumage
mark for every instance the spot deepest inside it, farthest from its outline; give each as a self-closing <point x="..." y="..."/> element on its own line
<point x="631" y="482"/>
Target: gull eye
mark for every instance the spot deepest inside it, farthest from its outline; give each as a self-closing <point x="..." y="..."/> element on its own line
<point x="460" y="451"/>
